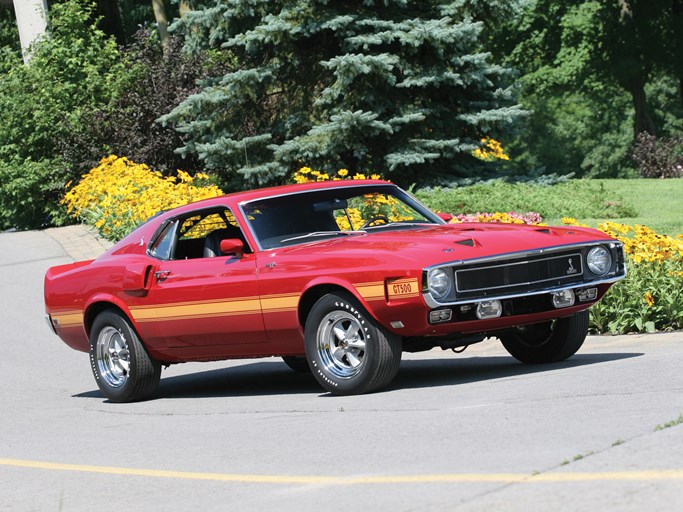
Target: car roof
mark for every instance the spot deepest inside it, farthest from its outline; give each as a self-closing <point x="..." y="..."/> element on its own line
<point x="262" y="193"/>
<point x="251" y="195"/>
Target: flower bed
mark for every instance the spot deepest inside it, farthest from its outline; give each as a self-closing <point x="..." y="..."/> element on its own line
<point x="119" y="194"/>
<point x="651" y="297"/>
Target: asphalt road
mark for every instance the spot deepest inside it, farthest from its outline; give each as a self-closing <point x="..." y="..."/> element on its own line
<point x="465" y="432"/>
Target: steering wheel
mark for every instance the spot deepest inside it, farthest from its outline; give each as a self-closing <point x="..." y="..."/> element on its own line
<point x="375" y="219"/>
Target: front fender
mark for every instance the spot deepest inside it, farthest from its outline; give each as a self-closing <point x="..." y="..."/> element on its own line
<point x="364" y="293"/>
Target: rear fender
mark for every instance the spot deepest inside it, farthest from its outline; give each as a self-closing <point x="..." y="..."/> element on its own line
<point x="101" y="302"/>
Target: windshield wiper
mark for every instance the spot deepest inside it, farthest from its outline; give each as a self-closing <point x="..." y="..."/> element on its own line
<point x="323" y="233"/>
<point x="402" y="223"/>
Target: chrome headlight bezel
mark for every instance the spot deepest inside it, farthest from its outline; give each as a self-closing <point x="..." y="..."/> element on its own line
<point x="599" y="260"/>
<point x="439" y="283"/>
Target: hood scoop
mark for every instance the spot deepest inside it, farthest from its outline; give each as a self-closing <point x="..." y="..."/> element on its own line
<point x="547" y="231"/>
<point x="469" y="242"/>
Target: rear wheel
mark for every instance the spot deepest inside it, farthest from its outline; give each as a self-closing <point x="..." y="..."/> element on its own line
<point x="548" y="342"/>
<point x="123" y="369"/>
<point x="347" y="351"/>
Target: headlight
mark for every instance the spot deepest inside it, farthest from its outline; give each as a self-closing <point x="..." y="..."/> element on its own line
<point x="599" y="260"/>
<point x="438" y="283"/>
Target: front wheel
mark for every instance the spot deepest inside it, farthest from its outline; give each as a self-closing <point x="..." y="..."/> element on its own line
<point x="123" y="369"/>
<point x="548" y="342"/>
<point x="348" y="352"/>
<point x="297" y="363"/>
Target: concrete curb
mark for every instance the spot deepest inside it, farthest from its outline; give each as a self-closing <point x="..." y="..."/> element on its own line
<point x="79" y="241"/>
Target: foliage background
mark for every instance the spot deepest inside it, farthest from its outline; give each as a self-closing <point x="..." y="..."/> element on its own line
<point x="395" y="87"/>
<point x="400" y="87"/>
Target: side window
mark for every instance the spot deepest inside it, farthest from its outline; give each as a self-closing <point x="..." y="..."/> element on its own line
<point x="197" y="235"/>
<point x="199" y="226"/>
<point x="164" y="244"/>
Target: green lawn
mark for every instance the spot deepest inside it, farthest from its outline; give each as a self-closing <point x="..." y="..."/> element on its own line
<point x="659" y="203"/>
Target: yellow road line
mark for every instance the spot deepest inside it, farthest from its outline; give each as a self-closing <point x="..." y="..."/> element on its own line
<point x="671" y="474"/>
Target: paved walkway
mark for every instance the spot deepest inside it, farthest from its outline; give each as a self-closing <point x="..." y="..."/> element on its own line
<point x="79" y="241"/>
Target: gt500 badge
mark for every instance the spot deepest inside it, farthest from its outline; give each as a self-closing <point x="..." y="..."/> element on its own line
<point x="402" y="288"/>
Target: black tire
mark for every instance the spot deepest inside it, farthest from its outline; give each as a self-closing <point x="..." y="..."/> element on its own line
<point x="297" y="363"/>
<point x="347" y="351"/>
<point x="123" y="369"/>
<point x="548" y="342"/>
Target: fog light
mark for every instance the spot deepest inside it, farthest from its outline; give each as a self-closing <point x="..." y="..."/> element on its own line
<point x="489" y="309"/>
<point x="440" y="315"/>
<point x="563" y="299"/>
<point x="587" y="294"/>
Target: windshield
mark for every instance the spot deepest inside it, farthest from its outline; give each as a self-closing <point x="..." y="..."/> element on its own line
<point x="320" y="214"/>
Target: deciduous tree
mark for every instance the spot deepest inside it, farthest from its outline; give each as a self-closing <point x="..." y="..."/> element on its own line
<point x="591" y="45"/>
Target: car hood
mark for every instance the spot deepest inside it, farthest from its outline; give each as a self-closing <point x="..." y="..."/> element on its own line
<point x="431" y="245"/>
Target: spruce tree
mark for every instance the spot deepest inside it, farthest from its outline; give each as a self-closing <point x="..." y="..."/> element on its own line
<point x="396" y="87"/>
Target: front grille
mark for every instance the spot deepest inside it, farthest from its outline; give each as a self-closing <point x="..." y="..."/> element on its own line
<point x="529" y="274"/>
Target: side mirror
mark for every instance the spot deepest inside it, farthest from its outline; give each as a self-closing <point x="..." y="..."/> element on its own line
<point x="232" y="246"/>
<point x="445" y="216"/>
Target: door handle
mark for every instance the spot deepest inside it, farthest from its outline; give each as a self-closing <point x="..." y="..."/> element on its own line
<point x="161" y="275"/>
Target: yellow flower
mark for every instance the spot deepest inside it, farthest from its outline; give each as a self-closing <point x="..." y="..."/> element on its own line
<point x="308" y="175"/>
<point x="649" y="299"/>
<point x="118" y="194"/>
<point x="491" y="150"/>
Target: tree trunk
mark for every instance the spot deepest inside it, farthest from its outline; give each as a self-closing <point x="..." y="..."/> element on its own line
<point x="31" y="22"/>
<point x="643" y="121"/>
<point x="162" y="22"/>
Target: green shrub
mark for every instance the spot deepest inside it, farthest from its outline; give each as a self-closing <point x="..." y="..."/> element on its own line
<point x="24" y="185"/>
<point x="153" y="85"/>
<point x="10" y="50"/>
<point x="70" y="72"/>
<point x="659" y="157"/>
<point x="575" y="198"/>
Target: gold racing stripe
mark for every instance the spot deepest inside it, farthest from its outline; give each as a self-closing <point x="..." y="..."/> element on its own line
<point x="280" y="303"/>
<point x="209" y="309"/>
<point x="371" y="291"/>
<point x="276" y="303"/>
<point x="69" y="318"/>
<point x="202" y="309"/>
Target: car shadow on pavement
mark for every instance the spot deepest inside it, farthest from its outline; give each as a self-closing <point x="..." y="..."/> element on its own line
<point x="249" y="379"/>
<point x="275" y="378"/>
<point x="452" y="371"/>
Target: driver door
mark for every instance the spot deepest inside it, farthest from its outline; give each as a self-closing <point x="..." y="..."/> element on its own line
<point x="197" y="304"/>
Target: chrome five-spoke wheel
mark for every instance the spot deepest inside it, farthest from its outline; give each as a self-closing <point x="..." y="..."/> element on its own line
<point x="113" y="357"/>
<point x="341" y="344"/>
